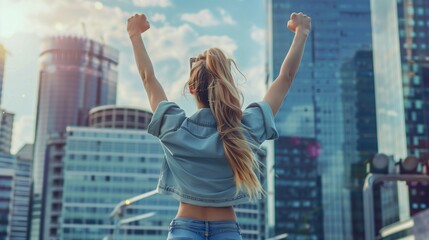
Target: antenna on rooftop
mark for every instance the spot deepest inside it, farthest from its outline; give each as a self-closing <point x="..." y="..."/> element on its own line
<point x="84" y="30"/>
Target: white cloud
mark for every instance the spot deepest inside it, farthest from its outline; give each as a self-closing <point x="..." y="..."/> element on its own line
<point x="223" y="42"/>
<point x="170" y="49"/>
<point x="22" y="132"/>
<point x="131" y="93"/>
<point x="13" y="16"/>
<point x="226" y="17"/>
<point x="169" y="43"/>
<point x="81" y="18"/>
<point x="203" y="18"/>
<point x="157" y="17"/>
<point x="255" y="84"/>
<point x="152" y="3"/>
<point x="258" y="34"/>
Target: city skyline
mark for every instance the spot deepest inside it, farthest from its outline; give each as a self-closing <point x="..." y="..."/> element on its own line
<point x="325" y="103"/>
<point x="240" y="34"/>
<point x="72" y="87"/>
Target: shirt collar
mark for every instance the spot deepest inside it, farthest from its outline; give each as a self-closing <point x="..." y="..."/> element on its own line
<point x="203" y="116"/>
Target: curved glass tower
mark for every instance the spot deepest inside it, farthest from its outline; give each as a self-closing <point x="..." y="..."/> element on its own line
<point x="2" y="61"/>
<point x="76" y="74"/>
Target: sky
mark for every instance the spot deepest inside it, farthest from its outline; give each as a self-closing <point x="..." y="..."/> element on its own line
<point x="179" y="29"/>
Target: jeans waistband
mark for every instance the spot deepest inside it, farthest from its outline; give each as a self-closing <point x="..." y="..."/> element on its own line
<point x="208" y="227"/>
<point x="196" y="221"/>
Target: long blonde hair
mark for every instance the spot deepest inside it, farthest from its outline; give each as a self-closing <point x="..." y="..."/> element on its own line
<point x="212" y="83"/>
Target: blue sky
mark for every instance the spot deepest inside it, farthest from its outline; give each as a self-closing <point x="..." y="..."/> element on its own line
<point x="179" y="29"/>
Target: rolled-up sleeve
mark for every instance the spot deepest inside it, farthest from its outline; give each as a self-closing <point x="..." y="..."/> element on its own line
<point x="258" y="119"/>
<point x="168" y="117"/>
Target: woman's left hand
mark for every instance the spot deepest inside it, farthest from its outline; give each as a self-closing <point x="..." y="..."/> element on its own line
<point x="137" y="24"/>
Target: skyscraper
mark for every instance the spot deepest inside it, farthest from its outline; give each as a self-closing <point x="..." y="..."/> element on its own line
<point x="315" y="107"/>
<point x="2" y="63"/>
<point x="401" y="62"/>
<point x="6" y="128"/>
<point x="76" y="74"/>
<point x="298" y="188"/>
<point x="104" y="166"/>
<point x="6" y="118"/>
<point x="15" y="186"/>
<point x="360" y="130"/>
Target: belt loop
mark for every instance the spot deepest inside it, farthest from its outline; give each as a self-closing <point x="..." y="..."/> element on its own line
<point x="206" y="232"/>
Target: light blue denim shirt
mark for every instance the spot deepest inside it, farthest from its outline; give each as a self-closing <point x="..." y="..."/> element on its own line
<point x="195" y="169"/>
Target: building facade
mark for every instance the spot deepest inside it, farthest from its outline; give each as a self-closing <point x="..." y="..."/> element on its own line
<point x="119" y="117"/>
<point x="298" y="188"/>
<point x="401" y="62"/>
<point x="360" y="130"/>
<point x="3" y="53"/>
<point x="103" y="167"/>
<point x="6" y="118"/>
<point x="6" y="129"/>
<point x="76" y="75"/>
<point x="319" y="99"/>
<point x="15" y="186"/>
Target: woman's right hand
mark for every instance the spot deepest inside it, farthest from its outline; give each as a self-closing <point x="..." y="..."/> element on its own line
<point x="299" y="22"/>
<point x="137" y="24"/>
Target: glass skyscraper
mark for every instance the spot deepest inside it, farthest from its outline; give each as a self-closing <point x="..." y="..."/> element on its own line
<point x="6" y="118"/>
<point x="76" y="74"/>
<point x="6" y="129"/>
<point x="401" y="62"/>
<point x="104" y="166"/>
<point x="298" y="188"/>
<point x="15" y="191"/>
<point x="2" y="63"/>
<point x="360" y="130"/>
<point x="318" y="103"/>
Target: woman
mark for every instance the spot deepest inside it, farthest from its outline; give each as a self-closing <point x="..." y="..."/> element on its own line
<point x="210" y="162"/>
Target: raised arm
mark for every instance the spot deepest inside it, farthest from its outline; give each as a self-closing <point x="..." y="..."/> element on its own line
<point x="138" y="24"/>
<point x="300" y="24"/>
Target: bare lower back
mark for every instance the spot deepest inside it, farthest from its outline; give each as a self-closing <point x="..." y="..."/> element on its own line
<point x="206" y="213"/>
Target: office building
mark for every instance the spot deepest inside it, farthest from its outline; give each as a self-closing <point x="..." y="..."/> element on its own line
<point x="6" y="118"/>
<point x="3" y="53"/>
<point x="15" y="186"/>
<point x="76" y="74"/>
<point x="298" y="191"/>
<point x="319" y="99"/>
<point x="119" y="117"/>
<point x="6" y="129"/>
<point x="104" y="166"/>
<point x="360" y="131"/>
<point x="401" y="64"/>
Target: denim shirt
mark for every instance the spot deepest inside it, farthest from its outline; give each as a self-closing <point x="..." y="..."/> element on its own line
<point x="195" y="169"/>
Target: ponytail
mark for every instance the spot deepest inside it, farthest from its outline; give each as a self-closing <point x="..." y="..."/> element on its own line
<point x="215" y="87"/>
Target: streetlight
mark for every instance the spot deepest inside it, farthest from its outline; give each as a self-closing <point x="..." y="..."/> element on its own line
<point x="136" y="218"/>
<point x="278" y="237"/>
<point x="407" y="167"/>
<point x="119" y="210"/>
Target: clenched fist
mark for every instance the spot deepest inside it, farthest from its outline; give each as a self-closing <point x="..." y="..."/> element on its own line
<point x="299" y="22"/>
<point x="137" y="24"/>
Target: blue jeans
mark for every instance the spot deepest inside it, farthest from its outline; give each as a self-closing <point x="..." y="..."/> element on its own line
<point x="190" y="229"/>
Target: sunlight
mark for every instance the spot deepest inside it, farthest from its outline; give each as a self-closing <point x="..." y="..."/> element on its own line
<point x="10" y="21"/>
